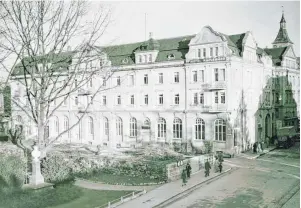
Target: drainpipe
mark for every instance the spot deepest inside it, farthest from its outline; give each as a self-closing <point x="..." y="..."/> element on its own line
<point x="185" y="111"/>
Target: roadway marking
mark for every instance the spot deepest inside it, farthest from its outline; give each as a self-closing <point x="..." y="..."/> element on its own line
<point x="295" y="166"/>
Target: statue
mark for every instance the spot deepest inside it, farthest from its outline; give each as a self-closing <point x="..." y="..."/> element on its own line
<point x="36" y="177"/>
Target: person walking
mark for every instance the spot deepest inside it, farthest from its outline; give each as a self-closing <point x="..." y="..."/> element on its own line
<point x="220" y="167"/>
<point x="184" y="177"/>
<point x="207" y="168"/>
<point x="188" y="170"/>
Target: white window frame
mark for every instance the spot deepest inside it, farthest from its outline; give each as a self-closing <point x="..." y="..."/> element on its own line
<point x="133" y="127"/>
<point x="201" y="98"/>
<point x="194" y="76"/>
<point x="161" y="131"/>
<point x="216" y="75"/>
<point x="118" y="100"/>
<point x="202" y="75"/>
<point x="66" y="125"/>
<point x="220" y="131"/>
<point x="195" y="98"/>
<point x="131" y="80"/>
<point x="223" y="97"/>
<point x="132" y="99"/>
<point x="160" y="98"/>
<point x="177" y="99"/>
<point x="199" y="128"/>
<point x="118" y="81"/>
<point x="145" y="79"/>
<point x="176" y="77"/>
<point x="119" y="127"/>
<point x="177" y="128"/>
<point x="146" y="99"/>
<point x="160" y="81"/>
<point x="104" y="100"/>
<point x="106" y="126"/>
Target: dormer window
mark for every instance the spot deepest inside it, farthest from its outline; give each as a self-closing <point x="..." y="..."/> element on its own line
<point x="125" y="61"/>
<point x="171" y="56"/>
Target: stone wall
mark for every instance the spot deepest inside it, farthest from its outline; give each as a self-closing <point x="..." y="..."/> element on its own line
<point x="197" y="163"/>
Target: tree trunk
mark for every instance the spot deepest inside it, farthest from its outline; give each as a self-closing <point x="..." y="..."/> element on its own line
<point x="41" y="130"/>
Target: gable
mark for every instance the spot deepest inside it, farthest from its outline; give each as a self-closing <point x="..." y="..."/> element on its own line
<point x="249" y="40"/>
<point x="289" y="53"/>
<point x="207" y="35"/>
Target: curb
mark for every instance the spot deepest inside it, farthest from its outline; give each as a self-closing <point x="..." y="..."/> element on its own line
<point x="285" y="198"/>
<point x="257" y="156"/>
<point x="193" y="188"/>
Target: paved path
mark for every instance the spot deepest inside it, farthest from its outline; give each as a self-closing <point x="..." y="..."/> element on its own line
<point x="250" y="155"/>
<point x="168" y="190"/>
<point x="101" y="186"/>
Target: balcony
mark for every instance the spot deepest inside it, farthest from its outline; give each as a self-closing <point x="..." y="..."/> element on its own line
<point x="216" y="108"/>
<point x="219" y="85"/>
<point x="82" y="92"/>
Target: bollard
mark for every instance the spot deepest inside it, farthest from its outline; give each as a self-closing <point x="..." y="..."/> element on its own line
<point x="133" y="195"/>
<point x="109" y="204"/>
<point x="121" y="199"/>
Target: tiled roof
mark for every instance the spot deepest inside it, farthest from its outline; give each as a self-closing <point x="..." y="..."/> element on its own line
<point x="276" y="54"/>
<point x="282" y="37"/>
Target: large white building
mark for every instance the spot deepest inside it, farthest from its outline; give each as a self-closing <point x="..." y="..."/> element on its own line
<point x="208" y="86"/>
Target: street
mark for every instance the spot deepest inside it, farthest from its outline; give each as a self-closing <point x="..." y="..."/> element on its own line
<point x="272" y="180"/>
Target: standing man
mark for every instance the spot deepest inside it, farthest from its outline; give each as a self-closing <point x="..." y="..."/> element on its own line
<point x="207" y="168"/>
<point x="188" y="170"/>
<point x="184" y="177"/>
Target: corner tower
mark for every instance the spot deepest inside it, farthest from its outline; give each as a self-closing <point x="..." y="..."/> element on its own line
<point x="282" y="39"/>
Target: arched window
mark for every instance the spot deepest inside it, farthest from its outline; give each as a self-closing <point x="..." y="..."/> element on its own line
<point x="177" y="128"/>
<point x="161" y="128"/>
<point x="199" y="129"/>
<point x="66" y="125"/>
<point x="220" y="130"/>
<point x="56" y="124"/>
<point x="90" y="125"/>
<point x="133" y="127"/>
<point x="119" y="126"/>
<point x="106" y="126"/>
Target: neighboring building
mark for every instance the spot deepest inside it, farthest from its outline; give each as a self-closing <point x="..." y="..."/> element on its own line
<point x="184" y="90"/>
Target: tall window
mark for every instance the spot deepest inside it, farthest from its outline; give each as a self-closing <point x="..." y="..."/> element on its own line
<point x="104" y="100"/>
<point x="195" y="98"/>
<point x="133" y="127"/>
<point x="66" y="125"/>
<point x="220" y="130"/>
<point x="199" y="53"/>
<point x="194" y="76"/>
<point x="131" y="80"/>
<point x="146" y="99"/>
<point x="216" y="51"/>
<point x="223" y="97"/>
<point x="223" y="74"/>
<point x="177" y="128"/>
<point x="199" y="129"/>
<point x="176" y="77"/>
<point x="160" y="78"/>
<point x="79" y="132"/>
<point x="202" y="75"/>
<point x="90" y="125"/>
<point x="161" y="128"/>
<point x="204" y="52"/>
<point x="75" y="82"/>
<point x="150" y="58"/>
<point x="132" y="100"/>
<point x="201" y="98"/>
<point x="140" y="59"/>
<point x="177" y="99"/>
<point x="104" y="81"/>
<point x="216" y="75"/>
<point x="106" y="126"/>
<point x="211" y="52"/>
<point x="145" y="58"/>
<point x="146" y="79"/>
<point x="90" y="82"/>
<point x="65" y="102"/>
<point x="118" y="80"/>
<point x="216" y="97"/>
<point x="56" y="124"/>
<point x="119" y="100"/>
<point x="119" y="126"/>
<point x="161" y="99"/>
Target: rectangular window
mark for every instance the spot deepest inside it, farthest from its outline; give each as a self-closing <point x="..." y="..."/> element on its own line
<point x="211" y="52"/>
<point x="132" y="100"/>
<point x="199" y="53"/>
<point x="194" y="76"/>
<point x="223" y="74"/>
<point x="146" y="79"/>
<point x="216" y="51"/>
<point x="204" y="52"/>
<point x="118" y="100"/>
<point x="216" y="97"/>
<point x="201" y="98"/>
<point x="176" y="77"/>
<point x="150" y="58"/>
<point x="223" y="97"/>
<point x="216" y="75"/>
<point x="104" y="100"/>
<point x="76" y="100"/>
<point x="160" y="78"/>
<point x="75" y="82"/>
<point x="90" y="83"/>
<point x="104" y="81"/>
<point x="145" y="58"/>
<point x="177" y="99"/>
<point x="161" y="99"/>
<point x="91" y="100"/>
<point x="146" y="99"/>
<point x="65" y="101"/>
<point x="131" y="81"/>
<point x="118" y="81"/>
<point x="195" y="98"/>
<point x="202" y="75"/>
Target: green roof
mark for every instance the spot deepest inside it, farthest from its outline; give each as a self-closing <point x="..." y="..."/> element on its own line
<point x="276" y="54"/>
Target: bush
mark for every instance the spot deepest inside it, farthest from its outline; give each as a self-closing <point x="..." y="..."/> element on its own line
<point x="12" y="173"/>
<point x="208" y="146"/>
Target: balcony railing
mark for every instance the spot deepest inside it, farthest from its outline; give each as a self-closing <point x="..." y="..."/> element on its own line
<point x="216" y="108"/>
<point x="82" y="92"/>
<point x="219" y="85"/>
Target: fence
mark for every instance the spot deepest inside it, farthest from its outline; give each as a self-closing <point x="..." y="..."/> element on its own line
<point x="123" y="199"/>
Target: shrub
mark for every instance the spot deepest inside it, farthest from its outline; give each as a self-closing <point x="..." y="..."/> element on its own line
<point x="12" y="173"/>
<point x="208" y="146"/>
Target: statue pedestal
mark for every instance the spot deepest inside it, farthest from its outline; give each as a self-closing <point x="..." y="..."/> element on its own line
<point x="36" y="177"/>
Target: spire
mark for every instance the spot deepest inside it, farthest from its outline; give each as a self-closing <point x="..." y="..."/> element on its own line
<point x="282" y="38"/>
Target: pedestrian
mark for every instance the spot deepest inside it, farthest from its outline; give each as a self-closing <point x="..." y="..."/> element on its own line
<point x="255" y="147"/>
<point x="184" y="177"/>
<point x="188" y="170"/>
<point x="207" y="168"/>
<point x="220" y="167"/>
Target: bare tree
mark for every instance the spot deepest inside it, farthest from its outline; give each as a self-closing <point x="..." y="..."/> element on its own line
<point x="35" y="38"/>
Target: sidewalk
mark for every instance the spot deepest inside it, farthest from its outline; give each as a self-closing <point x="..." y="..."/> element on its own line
<point x="170" y="190"/>
<point x="250" y="155"/>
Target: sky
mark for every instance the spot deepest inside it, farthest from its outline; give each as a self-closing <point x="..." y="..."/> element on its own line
<point x="171" y="19"/>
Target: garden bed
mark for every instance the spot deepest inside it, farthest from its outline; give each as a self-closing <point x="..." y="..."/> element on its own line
<point x="63" y="196"/>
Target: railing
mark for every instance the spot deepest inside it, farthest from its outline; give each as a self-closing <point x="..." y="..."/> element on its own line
<point x="214" y="108"/>
<point x="122" y="199"/>
<point x="84" y="92"/>
<point x="214" y="85"/>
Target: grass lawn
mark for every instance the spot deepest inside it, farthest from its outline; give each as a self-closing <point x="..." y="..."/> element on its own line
<point x="118" y="179"/>
<point x="63" y="196"/>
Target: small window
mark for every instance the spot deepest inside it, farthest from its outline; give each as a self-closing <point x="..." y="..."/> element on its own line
<point x="104" y="81"/>
<point x="201" y="98"/>
<point x="160" y="78"/>
<point x="176" y="77"/>
<point x="216" y="74"/>
<point x="131" y="81"/>
<point x="125" y="61"/>
<point x="177" y="99"/>
<point x="195" y="98"/>
<point x="194" y="76"/>
<point x="146" y="99"/>
<point x="161" y="99"/>
<point x="150" y="58"/>
<point x="104" y="100"/>
<point x="216" y="51"/>
<point x="76" y="100"/>
<point x="146" y="79"/>
<point x="132" y="100"/>
<point x="216" y="97"/>
<point x="118" y="100"/>
<point x="223" y="97"/>
<point x="202" y="75"/>
<point x="211" y="52"/>
<point x="204" y="52"/>
<point x="140" y="59"/>
<point x="171" y="57"/>
<point x="223" y="74"/>
<point x="199" y="53"/>
<point x="118" y="81"/>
